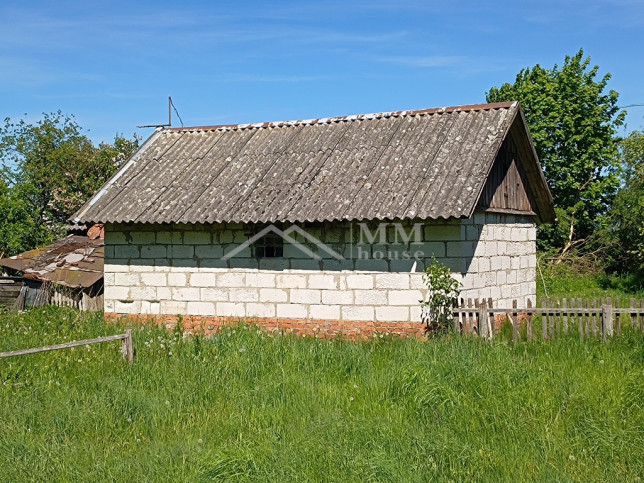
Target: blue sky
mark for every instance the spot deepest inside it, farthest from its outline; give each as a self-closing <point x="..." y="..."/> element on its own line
<point x="113" y="64"/>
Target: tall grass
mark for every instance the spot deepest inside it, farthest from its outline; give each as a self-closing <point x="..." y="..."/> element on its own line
<point x="249" y="406"/>
<point x="577" y="279"/>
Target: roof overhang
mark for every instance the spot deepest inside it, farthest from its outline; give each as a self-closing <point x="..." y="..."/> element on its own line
<point x="424" y="164"/>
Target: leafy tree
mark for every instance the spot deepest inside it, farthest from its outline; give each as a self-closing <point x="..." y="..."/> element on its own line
<point x="59" y="165"/>
<point x="108" y="158"/>
<point x="628" y="210"/>
<point x="19" y="230"/>
<point x="573" y="122"/>
<point x="50" y="168"/>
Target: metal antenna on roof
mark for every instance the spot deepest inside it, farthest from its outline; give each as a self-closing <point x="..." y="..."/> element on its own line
<point x="175" y="111"/>
<point x="169" y="124"/>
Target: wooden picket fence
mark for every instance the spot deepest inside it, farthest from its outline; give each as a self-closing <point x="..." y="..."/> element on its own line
<point x="588" y="317"/>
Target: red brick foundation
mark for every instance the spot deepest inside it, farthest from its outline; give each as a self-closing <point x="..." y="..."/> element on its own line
<point x="501" y="319"/>
<point x="209" y="325"/>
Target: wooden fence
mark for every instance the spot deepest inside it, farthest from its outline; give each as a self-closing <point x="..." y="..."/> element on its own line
<point x="127" y="347"/>
<point x="9" y="290"/>
<point x="38" y="294"/>
<point x="588" y="317"/>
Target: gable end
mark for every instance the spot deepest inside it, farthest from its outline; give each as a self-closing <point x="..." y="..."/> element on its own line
<point x="506" y="189"/>
<point x="516" y="183"/>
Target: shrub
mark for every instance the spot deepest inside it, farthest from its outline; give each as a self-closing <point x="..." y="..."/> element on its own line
<point x="443" y="291"/>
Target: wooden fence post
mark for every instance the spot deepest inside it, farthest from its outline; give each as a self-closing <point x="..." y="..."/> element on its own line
<point x="127" y="347"/>
<point x="490" y="325"/>
<point x="515" y="323"/>
<point x="544" y="320"/>
<point x="529" y="322"/>
<point x="607" y="321"/>
<point x="457" y="320"/>
<point x="483" y="315"/>
<point x="469" y="324"/>
<point x="593" y="318"/>
<point x="580" y="317"/>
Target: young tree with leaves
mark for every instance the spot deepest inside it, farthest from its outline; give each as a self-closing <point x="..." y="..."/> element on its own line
<point x="573" y="120"/>
<point x="628" y="211"/>
<point x="50" y="169"/>
<point x="19" y="229"/>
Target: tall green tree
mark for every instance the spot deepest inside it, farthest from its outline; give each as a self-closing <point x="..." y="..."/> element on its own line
<point x="49" y="161"/>
<point x="628" y="211"/>
<point x="50" y="168"/>
<point x="19" y="229"/>
<point x="573" y="120"/>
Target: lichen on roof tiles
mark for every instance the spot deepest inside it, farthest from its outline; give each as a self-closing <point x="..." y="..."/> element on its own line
<point x="428" y="163"/>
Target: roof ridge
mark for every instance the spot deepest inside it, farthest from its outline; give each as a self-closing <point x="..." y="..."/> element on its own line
<point x="354" y="117"/>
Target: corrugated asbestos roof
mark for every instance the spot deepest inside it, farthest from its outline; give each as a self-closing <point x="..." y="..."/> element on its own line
<point x="74" y="261"/>
<point x="428" y="164"/>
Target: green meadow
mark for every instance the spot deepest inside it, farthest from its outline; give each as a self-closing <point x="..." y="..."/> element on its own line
<point x="248" y="406"/>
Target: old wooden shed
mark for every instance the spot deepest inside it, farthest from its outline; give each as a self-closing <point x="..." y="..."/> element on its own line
<point x="326" y="224"/>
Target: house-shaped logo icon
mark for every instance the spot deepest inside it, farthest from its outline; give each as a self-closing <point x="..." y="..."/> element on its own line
<point x="286" y="236"/>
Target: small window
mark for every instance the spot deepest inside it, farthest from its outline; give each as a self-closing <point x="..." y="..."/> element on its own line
<point x="270" y="245"/>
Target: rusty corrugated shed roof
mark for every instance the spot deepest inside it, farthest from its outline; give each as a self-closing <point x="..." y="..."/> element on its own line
<point x="74" y="261"/>
<point x="428" y="164"/>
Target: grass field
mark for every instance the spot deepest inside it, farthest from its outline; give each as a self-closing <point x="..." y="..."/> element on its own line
<point x="579" y="280"/>
<point x="247" y="406"/>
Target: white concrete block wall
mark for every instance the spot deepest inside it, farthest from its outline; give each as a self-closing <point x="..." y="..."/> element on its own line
<point x="179" y="271"/>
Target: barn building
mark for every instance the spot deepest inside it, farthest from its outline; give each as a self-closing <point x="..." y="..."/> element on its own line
<point x="324" y="225"/>
<point x="69" y="272"/>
